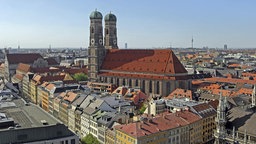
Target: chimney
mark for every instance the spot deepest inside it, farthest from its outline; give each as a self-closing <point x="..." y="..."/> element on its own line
<point x="119" y="109"/>
<point x="138" y="126"/>
<point x="148" y="108"/>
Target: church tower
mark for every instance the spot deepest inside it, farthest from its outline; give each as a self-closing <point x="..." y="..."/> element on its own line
<point x="110" y="36"/>
<point x="96" y="48"/>
<point x="220" y="122"/>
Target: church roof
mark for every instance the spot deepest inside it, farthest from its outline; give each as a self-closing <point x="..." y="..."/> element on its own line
<point x="157" y="62"/>
<point x="96" y="15"/>
<point x="26" y="58"/>
<point x="110" y="17"/>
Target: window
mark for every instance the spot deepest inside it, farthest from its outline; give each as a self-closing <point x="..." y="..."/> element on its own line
<point x="150" y="86"/>
<point x="130" y="82"/>
<point x="157" y="87"/>
<point x="73" y="141"/>
<point x="136" y="82"/>
<point x="123" y="82"/>
<point x="66" y="142"/>
<point x="168" y="87"/>
<point x="117" y="81"/>
<point x="143" y="85"/>
<point x="92" y="30"/>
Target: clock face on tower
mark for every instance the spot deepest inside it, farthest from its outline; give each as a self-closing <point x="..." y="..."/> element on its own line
<point x="100" y="41"/>
<point x="92" y="41"/>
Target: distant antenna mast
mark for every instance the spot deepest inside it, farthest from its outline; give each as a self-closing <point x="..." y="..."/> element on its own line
<point x="192" y="42"/>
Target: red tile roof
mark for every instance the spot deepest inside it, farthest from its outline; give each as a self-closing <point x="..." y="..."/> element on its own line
<point x="244" y="91"/>
<point x="44" y="84"/>
<point x="50" y="86"/>
<point x="23" y="58"/>
<point x="224" y="92"/>
<point x="234" y="65"/>
<point x="205" y="109"/>
<point x="121" y="90"/>
<point x="23" y="67"/>
<point x="40" y="79"/>
<point x="230" y="80"/>
<point x="137" y="96"/>
<point x="162" y="61"/>
<point x="211" y="86"/>
<point x="70" y="96"/>
<point x="180" y="93"/>
<point x="248" y="74"/>
<point x="19" y="76"/>
<point x="214" y="103"/>
<point x="159" y="123"/>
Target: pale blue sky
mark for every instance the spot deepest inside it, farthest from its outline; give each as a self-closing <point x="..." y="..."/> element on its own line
<point x="141" y="23"/>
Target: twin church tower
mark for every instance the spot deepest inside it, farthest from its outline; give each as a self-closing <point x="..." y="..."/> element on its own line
<point x="98" y="47"/>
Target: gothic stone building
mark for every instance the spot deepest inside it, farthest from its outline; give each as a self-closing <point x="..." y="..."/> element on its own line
<point x="156" y="71"/>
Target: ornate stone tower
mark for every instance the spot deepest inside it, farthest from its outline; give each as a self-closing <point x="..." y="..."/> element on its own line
<point x="220" y="122"/>
<point x="96" y="48"/>
<point x="253" y="96"/>
<point x="110" y="38"/>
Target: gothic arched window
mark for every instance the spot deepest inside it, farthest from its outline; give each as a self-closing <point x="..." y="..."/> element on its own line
<point x="123" y="82"/>
<point x="157" y="87"/>
<point x="150" y="86"/>
<point x="136" y="82"/>
<point x="130" y="82"/>
<point x="117" y="81"/>
<point x="143" y="85"/>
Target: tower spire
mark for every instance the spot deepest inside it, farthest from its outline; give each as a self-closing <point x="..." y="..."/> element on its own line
<point x="220" y="122"/>
<point x="192" y="42"/>
<point x="253" y="96"/>
<point x="245" y="136"/>
<point x="234" y="134"/>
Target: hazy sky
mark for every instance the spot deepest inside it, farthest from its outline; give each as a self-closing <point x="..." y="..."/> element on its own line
<point x="140" y="23"/>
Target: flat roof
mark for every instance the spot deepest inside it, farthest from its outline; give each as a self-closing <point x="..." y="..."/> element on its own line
<point x="28" y="116"/>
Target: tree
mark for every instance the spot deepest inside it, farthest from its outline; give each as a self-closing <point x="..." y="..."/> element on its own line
<point x="89" y="139"/>
<point x="80" y="77"/>
<point x="142" y="109"/>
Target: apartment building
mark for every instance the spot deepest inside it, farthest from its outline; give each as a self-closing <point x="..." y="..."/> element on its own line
<point x="165" y="128"/>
